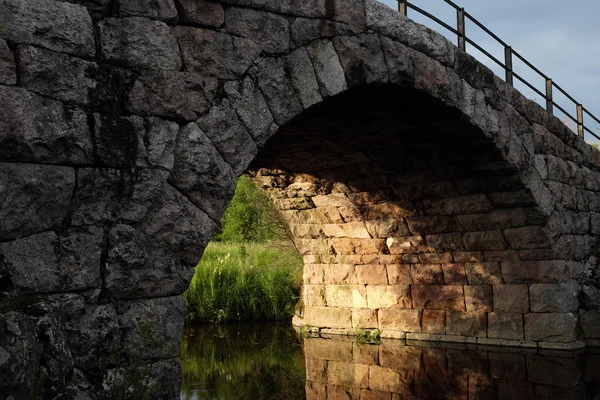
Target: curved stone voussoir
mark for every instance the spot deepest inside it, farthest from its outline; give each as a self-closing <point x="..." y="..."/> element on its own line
<point x="362" y="58"/>
<point x="201" y="12"/>
<point x="201" y="173"/>
<point x="33" y="199"/>
<point x="329" y="71"/>
<point x="270" y="31"/>
<point x="37" y="129"/>
<point x="8" y="68"/>
<point x="182" y="95"/>
<point x="55" y="25"/>
<point x="306" y="30"/>
<point x="137" y="267"/>
<point x="162" y="10"/>
<point x="139" y="43"/>
<point x="308" y="8"/>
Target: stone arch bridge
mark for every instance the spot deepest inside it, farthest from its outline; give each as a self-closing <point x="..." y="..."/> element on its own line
<point x="429" y="198"/>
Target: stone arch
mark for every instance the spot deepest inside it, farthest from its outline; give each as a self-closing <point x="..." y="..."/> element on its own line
<point x="116" y="178"/>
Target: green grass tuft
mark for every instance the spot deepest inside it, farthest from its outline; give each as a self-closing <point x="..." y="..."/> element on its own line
<point x="237" y="282"/>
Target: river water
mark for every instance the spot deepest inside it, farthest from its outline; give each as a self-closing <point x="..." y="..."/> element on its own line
<point x="270" y="361"/>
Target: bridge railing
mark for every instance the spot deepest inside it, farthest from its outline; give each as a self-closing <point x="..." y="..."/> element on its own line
<point x="578" y="111"/>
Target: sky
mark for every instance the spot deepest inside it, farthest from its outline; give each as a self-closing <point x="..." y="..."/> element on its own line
<point x="560" y="38"/>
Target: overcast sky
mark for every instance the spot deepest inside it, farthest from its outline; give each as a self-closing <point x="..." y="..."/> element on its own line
<point x="561" y="38"/>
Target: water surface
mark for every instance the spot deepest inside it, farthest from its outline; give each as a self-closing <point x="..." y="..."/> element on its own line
<point x="270" y="361"/>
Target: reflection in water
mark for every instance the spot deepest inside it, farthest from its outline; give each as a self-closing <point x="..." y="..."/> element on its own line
<point x="267" y="362"/>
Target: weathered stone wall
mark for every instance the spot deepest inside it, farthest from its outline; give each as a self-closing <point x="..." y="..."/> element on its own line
<point x="344" y="369"/>
<point x="123" y="128"/>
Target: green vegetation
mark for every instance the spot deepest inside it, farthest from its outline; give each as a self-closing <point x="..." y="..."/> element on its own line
<point x="365" y="336"/>
<point x="253" y="361"/>
<point x="250" y="271"/>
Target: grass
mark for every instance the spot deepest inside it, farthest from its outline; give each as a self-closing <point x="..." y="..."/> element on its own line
<point x="243" y="281"/>
<point x="365" y="336"/>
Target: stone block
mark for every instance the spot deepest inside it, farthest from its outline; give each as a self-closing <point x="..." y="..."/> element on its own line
<point x="435" y="258"/>
<point x="328" y="317"/>
<point x="171" y="94"/>
<point x="470" y="204"/>
<point x="478" y="298"/>
<point x="473" y="324"/>
<point x="156" y="142"/>
<point x="304" y="80"/>
<point x="454" y="274"/>
<point x="228" y="135"/>
<point x="511" y="298"/>
<point x="427" y="274"/>
<point x="434" y="297"/>
<point x="364" y="318"/>
<point x="384" y="228"/>
<point x="358" y="246"/>
<point x="407" y="244"/>
<point x="505" y="255"/>
<point x="201" y="173"/>
<point x="268" y="30"/>
<point x="508" y="366"/>
<point x="400" y="320"/>
<point x="484" y="273"/>
<point x="501" y="219"/>
<point x="339" y="274"/>
<point x="433" y="224"/>
<point x="434" y="321"/>
<point x="399" y="274"/>
<point x="202" y="12"/>
<point x="139" y="43"/>
<point x="355" y="230"/>
<point x="8" y="68"/>
<point x="590" y="324"/>
<point x="34" y="198"/>
<point x="329" y="71"/>
<point x="314" y="295"/>
<point x="361" y="58"/>
<point x="557" y="371"/>
<point x="41" y="130"/>
<point x="374" y="274"/>
<point x="58" y="26"/>
<point x="503" y="325"/>
<point x="325" y="349"/>
<point x="468" y="256"/>
<point x="213" y="53"/>
<point x="551" y="327"/>
<point x="399" y="64"/>
<point x="489" y="240"/>
<point x="162" y="10"/>
<point x="313" y="274"/>
<point x="445" y="242"/>
<point x="47" y="262"/>
<point x="396" y="296"/>
<point x="354" y="375"/>
<point x="528" y="237"/>
<point x="352" y="296"/>
<point x="116" y="140"/>
<point x="547" y="271"/>
<point x="555" y="298"/>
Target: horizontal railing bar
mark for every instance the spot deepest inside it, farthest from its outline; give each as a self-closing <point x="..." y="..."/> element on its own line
<point x="530" y="65"/>
<point x="486" y="30"/>
<point x="432" y="17"/>
<point x="529" y="85"/>
<point x="565" y="93"/>
<point x="484" y="51"/>
<point x="565" y="112"/>
<point x="452" y="4"/>
<point x="591" y="115"/>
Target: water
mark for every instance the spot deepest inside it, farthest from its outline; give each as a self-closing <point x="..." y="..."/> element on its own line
<point x="269" y="361"/>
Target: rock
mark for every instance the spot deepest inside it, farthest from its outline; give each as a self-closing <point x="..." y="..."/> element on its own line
<point x="137" y="268"/>
<point x="306" y="30"/>
<point x="229" y="136"/>
<point x="56" y="75"/>
<point x="400" y="320"/>
<point x="561" y="372"/>
<point x="171" y="94"/>
<point x="202" y="12"/>
<point x="330" y="317"/>
<point x="490" y="240"/>
<point x="35" y="198"/>
<point x="47" y="262"/>
<point x="556" y="298"/>
<point x="590" y="297"/>
<point x="54" y="25"/>
<point x="156" y="142"/>
<point x="201" y="173"/>
<point x="484" y="273"/>
<point x="505" y="326"/>
<point x="328" y="69"/>
<point x="551" y="327"/>
<point x="36" y="129"/>
<point x="445" y="242"/>
<point x="214" y="53"/>
<point x="163" y="10"/>
<point x="153" y="327"/>
<point x="529" y="237"/>
<point x="252" y="109"/>
<point x="590" y="324"/>
<point x="139" y="43"/>
<point x="473" y="324"/>
<point x="97" y="8"/>
<point x="362" y="58"/>
<point x="116" y="141"/>
<point x="270" y="31"/>
<point x="547" y="271"/>
<point x="383" y="296"/>
<point x="353" y="296"/>
<point x="478" y="298"/>
<point x="351" y="12"/>
<point x="8" y="68"/>
<point x="303" y="77"/>
<point x="436" y="297"/>
<point x="511" y="298"/>
<point x="278" y="90"/>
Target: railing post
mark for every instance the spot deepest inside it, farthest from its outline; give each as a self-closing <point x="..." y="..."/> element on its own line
<point x="549" y="103"/>
<point x="508" y="65"/>
<point x="460" y="19"/>
<point x="580" y="130"/>
<point x="402" y="7"/>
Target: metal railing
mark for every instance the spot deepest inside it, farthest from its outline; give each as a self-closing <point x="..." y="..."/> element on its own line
<point x="507" y="65"/>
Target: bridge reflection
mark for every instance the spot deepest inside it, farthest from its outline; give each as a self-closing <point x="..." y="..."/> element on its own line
<point x="341" y="368"/>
